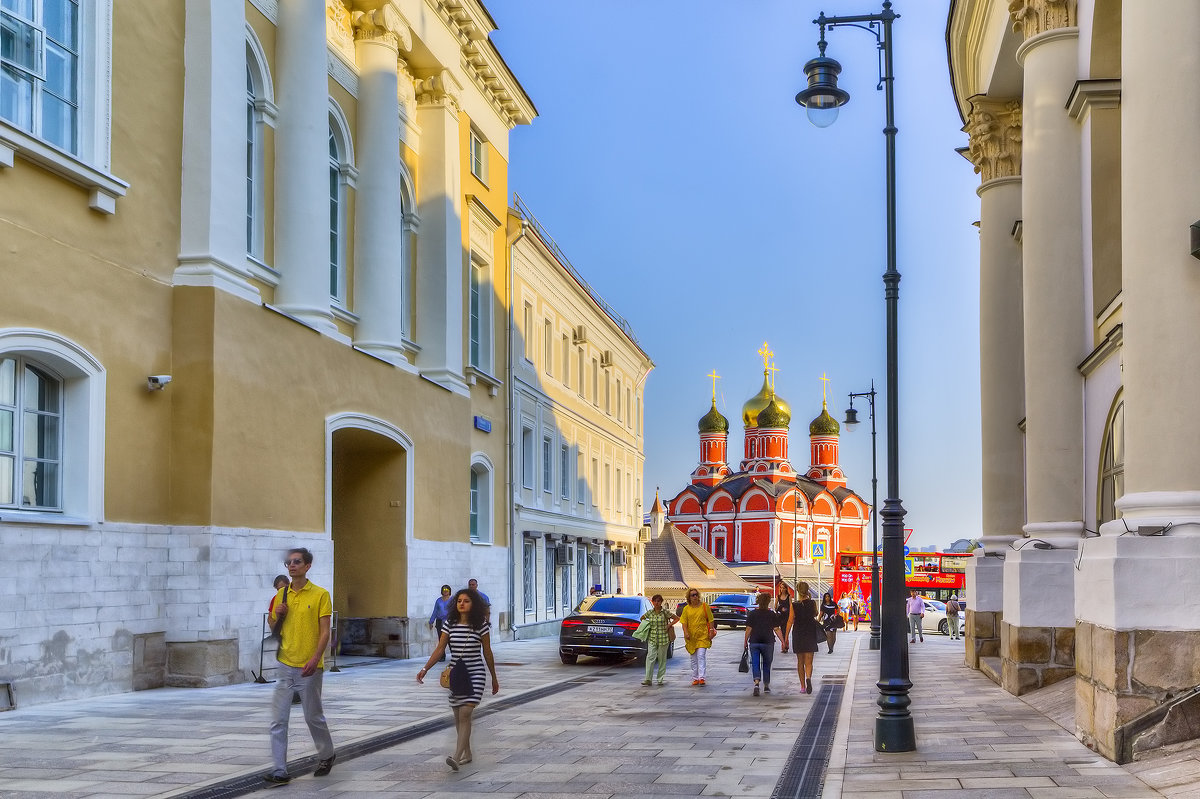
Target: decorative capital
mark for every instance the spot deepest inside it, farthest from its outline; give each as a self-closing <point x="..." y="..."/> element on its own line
<point x="439" y="89"/>
<point x="994" y="127"/>
<point x="382" y="24"/>
<point x="1031" y="17"/>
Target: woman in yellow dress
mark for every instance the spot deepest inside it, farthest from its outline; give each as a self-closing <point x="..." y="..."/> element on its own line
<point x="696" y="618"/>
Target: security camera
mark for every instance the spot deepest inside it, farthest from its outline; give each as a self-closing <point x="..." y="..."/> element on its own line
<point x="157" y="382"/>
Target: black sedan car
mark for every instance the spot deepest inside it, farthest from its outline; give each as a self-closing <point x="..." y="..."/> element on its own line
<point x="602" y="626"/>
<point x="731" y="609"/>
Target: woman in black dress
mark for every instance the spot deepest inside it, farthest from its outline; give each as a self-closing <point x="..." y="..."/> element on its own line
<point x="803" y="629"/>
<point x="467" y="633"/>
<point x="829" y="618"/>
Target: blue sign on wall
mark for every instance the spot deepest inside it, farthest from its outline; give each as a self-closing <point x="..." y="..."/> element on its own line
<point x="483" y="423"/>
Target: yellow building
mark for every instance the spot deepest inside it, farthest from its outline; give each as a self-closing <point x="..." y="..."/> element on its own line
<point x="248" y="257"/>
<point x="1084" y="123"/>
<point x="577" y="376"/>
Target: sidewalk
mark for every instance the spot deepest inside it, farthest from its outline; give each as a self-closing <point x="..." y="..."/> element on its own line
<point x="973" y="740"/>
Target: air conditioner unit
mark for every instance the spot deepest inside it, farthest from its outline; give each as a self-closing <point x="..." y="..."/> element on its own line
<point x="565" y="554"/>
<point x="579" y="335"/>
<point x="606" y="360"/>
<point x="619" y="557"/>
<point x="644" y="534"/>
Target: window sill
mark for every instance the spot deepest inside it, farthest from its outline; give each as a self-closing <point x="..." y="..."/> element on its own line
<point x="477" y="375"/>
<point x="482" y="543"/>
<point x="104" y="188"/>
<point x="41" y="517"/>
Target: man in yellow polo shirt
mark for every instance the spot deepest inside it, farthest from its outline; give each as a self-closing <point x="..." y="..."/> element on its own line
<point x="305" y="609"/>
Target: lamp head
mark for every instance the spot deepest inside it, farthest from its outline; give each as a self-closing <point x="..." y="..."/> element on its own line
<point x="822" y="98"/>
<point x="851" y="417"/>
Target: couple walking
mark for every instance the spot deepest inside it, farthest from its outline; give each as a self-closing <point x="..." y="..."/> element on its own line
<point x="699" y="628"/>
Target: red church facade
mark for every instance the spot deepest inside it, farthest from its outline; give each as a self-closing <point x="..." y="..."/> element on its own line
<point x="765" y="513"/>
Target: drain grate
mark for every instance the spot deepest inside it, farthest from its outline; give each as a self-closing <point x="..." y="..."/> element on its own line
<point x="804" y="774"/>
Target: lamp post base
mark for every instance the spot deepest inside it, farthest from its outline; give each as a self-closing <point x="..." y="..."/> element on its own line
<point x="874" y="642"/>
<point x="895" y="734"/>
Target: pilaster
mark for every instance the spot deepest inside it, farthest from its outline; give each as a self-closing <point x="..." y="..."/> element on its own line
<point x="302" y="165"/>
<point x="440" y="259"/>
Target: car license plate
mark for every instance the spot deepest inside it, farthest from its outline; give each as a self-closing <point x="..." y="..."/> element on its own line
<point x="601" y="630"/>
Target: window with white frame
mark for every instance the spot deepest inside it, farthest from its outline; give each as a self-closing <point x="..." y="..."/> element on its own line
<point x="527" y="331"/>
<point x="480" y="316"/>
<point x="337" y="214"/>
<point x="566" y="362"/>
<point x="31" y="436"/>
<point x="619" y="415"/>
<point x="547" y="464"/>
<point x="596" y="382"/>
<point x="579" y="373"/>
<point x="253" y="165"/>
<point x="608" y="393"/>
<point x="580" y="477"/>
<point x="529" y="572"/>
<point x="564" y="457"/>
<point x="41" y="69"/>
<point x="479" y="159"/>
<point x="527" y="457"/>
<point x="551" y="568"/>
<point x="51" y="427"/>
<point x="480" y="525"/>
<point x="618" y="488"/>
<point x="548" y="356"/>
<point x="1112" y="465"/>
<point x="595" y="482"/>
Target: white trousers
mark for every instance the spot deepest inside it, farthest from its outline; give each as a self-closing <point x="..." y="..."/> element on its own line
<point x="699" y="663"/>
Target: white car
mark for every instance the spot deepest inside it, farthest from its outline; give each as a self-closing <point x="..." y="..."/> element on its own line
<point x="934" y="620"/>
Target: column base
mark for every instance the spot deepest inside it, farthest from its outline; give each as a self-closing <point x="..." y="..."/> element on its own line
<point x="985" y="608"/>
<point x="1037" y="632"/>
<point x="1035" y="657"/>
<point x="983" y="636"/>
<point x="202" y="664"/>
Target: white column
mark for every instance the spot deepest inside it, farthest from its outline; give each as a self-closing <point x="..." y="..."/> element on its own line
<point x="1160" y="117"/>
<point x="379" y="245"/>
<point x="1056" y="328"/>
<point x="212" y="232"/>
<point x="302" y="164"/>
<point x="440" y="257"/>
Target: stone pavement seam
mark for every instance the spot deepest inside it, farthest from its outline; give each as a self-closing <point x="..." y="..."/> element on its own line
<point x="835" y="773"/>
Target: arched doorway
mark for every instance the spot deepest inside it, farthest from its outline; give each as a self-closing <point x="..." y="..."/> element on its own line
<point x="370" y="497"/>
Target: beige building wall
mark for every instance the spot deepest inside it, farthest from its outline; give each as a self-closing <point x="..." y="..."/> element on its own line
<point x="143" y="537"/>
<point x="577" y="379"/>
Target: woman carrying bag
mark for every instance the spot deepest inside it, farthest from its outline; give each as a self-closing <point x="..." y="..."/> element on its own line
<point x="831" y="619"/>
<point x="467" y="632"/>
<point x="806" y="635"/>
<point x="762" y="628"/>
<point x="699" y="628"/>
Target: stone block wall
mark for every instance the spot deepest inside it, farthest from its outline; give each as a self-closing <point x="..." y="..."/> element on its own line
<point x="983" y="635"/>
<point x="107" y="608"/>
<point x="1034" y="657"/>
<point x="1126" y="674"/>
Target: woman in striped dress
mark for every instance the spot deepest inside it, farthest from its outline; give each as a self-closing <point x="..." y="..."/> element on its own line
<point x="467" y="632"/>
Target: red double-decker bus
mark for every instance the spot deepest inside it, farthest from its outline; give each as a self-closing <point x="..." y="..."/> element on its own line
<point x="937" y="575"/>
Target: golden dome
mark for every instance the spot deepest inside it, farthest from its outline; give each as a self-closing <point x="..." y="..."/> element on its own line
<point x="761" y="400"/>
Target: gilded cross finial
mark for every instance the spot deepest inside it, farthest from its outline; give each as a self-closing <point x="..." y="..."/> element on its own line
<point x="772" y="369"/>
<point x="824" y="389"/>
<point x="766" y="354"/>
<point x="715" y="377"/>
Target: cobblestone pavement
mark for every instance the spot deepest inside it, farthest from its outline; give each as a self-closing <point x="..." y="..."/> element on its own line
<point x="585" y="731"/>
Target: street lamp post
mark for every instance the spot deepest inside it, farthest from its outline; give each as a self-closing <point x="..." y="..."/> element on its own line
<point x="894" y="730"/>
<point x="851" y="423"/>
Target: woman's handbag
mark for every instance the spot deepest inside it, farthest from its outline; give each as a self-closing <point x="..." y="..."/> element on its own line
<point x="444" y="679"/>
<point x="744" y="663"/>
<point x="670" y="632"/>
<point x="821" y="636"/>
<point x="839" y="622"/>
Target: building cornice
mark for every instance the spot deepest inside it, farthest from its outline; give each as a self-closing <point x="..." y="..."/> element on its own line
<point x="1088" y="95"/>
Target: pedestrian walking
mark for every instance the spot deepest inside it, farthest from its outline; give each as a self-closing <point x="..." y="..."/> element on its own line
<point x="831" y="619"/>
<point x="805" y="634"/>
<point x="473" y="584"/>
<point x="915" y="607"/>
<point x="952" y="616"/>
<point x="304" y="635"/>
<point x="658" y="621"/>
<point x="467" y="633"/>
<point x="762" y="628"/>
<point x="699" y="628"/>
<point x="441" y="609"/>
<point x="783" y="603"/>
<point x="856" y="610"/>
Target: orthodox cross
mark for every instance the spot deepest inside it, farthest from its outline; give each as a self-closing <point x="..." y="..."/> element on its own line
<point x="766" y="354"/>
<point x="715" y="377"/>
<point x="773" y="369"/>
<point x="824" y="388"/>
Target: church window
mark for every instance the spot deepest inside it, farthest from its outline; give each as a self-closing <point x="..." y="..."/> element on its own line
<point x="1112" y="465"/>
<point x="719" y="548"/>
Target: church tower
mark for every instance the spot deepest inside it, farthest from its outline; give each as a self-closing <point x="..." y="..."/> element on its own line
<point x="714" y="435"/>
<point x="823" y="443"/>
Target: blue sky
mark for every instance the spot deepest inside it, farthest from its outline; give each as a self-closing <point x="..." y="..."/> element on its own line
<point x="674" y="168"/>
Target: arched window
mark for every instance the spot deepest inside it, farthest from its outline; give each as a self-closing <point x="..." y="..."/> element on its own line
<point x="341" y="176"/>
<point x="480" y="500"/>
<point x="1112" y="464"/>
<point x="31" y="427"/>
<point x="260" y="112"/>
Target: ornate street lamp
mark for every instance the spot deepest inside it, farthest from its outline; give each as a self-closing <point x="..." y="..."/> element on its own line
<point x="894" y="730"/>
<point x="851" y="423"/>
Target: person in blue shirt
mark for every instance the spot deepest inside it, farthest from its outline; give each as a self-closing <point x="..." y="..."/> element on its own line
<point x="473" y="584"/>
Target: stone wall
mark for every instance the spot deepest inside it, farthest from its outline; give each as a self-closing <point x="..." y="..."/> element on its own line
<point x="1034" y="657"/>
<point x="1124" y="676"/>
<point x="983" y="635"/>
<point x="97" y="609"/>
